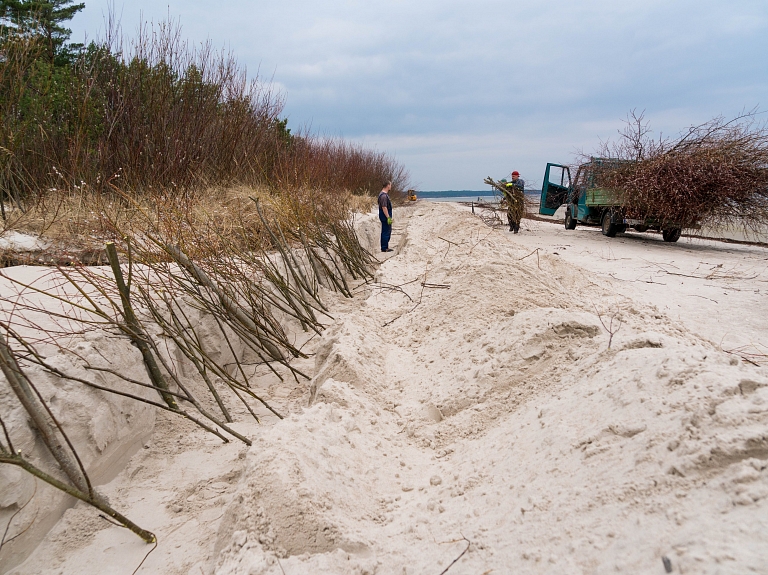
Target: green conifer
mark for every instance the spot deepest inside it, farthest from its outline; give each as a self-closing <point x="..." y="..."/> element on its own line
<point x="44" y="18"/>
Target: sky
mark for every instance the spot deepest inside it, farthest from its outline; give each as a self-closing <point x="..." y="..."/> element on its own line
<point x="459" y="90"/>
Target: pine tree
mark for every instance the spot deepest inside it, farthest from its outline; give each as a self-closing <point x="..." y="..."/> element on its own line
<point x="43" y="18"/>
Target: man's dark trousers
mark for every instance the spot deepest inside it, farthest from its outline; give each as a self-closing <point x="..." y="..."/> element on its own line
<point x="386" y="233"/>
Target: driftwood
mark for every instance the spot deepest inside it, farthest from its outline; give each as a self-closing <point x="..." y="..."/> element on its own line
<point x="53" y="257"/>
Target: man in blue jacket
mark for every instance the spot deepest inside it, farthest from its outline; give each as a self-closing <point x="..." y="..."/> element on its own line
<point x="385" y="215"/>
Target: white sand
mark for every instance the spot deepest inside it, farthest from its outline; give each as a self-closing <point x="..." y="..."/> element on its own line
<point x="482" y="409"/>
<point x="13" y="240"/>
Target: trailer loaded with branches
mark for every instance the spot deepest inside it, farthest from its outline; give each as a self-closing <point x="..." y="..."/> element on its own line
<point x="714" y="174"/>
<point x="589" y="201"/>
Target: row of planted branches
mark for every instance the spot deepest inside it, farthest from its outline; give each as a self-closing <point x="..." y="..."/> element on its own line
<point x="715" y="173"/>
<point x="250" y="280"/>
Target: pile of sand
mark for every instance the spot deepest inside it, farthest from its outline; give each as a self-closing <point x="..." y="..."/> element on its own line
<point x="467" y="405"/>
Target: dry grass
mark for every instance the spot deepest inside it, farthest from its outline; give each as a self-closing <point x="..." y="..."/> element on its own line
<point x="85" y="220"/>
<point x="360" y="204"/>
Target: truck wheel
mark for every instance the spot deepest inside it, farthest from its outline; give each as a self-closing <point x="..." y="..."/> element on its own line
<point x="609" y="228"/>
<point x="570" y="222"/>
<point x="671" y="235"/>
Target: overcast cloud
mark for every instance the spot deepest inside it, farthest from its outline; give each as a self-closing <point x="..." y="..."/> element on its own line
<point x="460" y="90"/>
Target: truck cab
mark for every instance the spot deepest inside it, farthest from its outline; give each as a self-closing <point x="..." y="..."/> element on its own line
<point x="554" y="190"/>
<point x="588" y="203"/>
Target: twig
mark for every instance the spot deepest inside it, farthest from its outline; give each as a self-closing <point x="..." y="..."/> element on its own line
<point x="145" y="558"/>
<point x="384" y="286"/>
<point x="17" y="460"/>
<point x="536" y="251"/>
<point x="134" y="331"/>
<point x="702" y="297"/>
<point x="609" y="327"/>
<point x="15" y="513"/>
<point x="421" y="295"/>
<point x="444" y="571"/>
<point x="741" y="356"/>
<point x="479" y="242"/>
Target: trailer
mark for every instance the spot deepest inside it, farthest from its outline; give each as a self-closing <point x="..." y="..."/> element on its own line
<point x="587" y="203"/>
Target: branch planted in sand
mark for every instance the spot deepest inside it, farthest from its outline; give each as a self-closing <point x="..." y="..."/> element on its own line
<point x="536" y="251"/>
<point x="134" y="331"/>
<point x="229" y="304"/>
<point x="49" y="430"/>
<point x="19" y="461"/>
<point x="609" y="328"/>
<point x="34" y="357"/>
<point x="47" y="426"/>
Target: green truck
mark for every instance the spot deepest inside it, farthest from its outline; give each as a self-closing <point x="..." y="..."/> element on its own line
<point x="589" y="204"/>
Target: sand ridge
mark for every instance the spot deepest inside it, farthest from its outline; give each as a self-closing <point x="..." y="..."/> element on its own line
<point x="494" y="411"/>
<point x="467" y="402"/>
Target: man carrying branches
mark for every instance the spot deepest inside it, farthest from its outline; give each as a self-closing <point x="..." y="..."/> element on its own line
<point x="513" y="194"/>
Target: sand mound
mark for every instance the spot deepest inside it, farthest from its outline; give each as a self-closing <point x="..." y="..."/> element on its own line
<point x="493" y="410"/>
<point x="468" y="405"/>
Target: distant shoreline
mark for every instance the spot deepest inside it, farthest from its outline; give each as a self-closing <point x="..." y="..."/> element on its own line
<point x="464" y="195"/>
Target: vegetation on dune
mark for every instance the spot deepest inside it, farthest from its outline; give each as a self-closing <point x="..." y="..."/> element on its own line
<point x="157" y="114"/>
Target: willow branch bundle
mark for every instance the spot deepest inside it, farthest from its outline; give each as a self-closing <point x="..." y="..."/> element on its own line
<point x="497" y="186"/>
<point x="715" y="173"/>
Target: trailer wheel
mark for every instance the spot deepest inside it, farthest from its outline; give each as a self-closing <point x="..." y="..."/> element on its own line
<point x="570" y="221"/>
<point x="671" y="235"/>
<point x="609" y="228"/>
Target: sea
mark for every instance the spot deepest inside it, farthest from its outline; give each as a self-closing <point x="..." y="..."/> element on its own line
<point x="467" y="195"/>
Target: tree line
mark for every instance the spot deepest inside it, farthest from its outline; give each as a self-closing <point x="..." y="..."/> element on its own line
<point x="151" y="114"/>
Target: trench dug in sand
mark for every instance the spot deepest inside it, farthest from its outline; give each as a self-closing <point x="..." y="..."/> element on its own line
<point x="468" y="400"/>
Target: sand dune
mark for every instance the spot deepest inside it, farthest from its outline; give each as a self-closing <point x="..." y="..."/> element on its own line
<point x="468" y="406"/>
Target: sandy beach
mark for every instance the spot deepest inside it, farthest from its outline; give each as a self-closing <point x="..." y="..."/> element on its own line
<point x="548" y="402"/>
